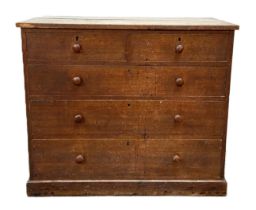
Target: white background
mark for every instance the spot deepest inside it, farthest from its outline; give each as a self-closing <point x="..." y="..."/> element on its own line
<point x="241" y="146"/>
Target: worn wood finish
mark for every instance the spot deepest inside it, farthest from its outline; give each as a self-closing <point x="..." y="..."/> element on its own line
<point x="127" y="106"/>
<point x="125" y="159"/>
<point x="57" y="46"/>
<point x="127" y="187"/>
<point x="179" y="46"/>
<point x="122" y="119"/>
<point x="128" y="23"/>
<point x="51" y="46"/>
<point x="129" y="81"/>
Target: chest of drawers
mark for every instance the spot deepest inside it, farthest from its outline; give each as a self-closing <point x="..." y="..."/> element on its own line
<point x="126" y="106"/>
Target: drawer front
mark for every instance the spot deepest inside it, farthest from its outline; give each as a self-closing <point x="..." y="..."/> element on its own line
<point x="180" y="47"/>
<point x="130" y="159"/>
<point x="124" y="46"/>
<point x="162" y="81"/>
<point x="123" y="119"/>
<point x="56" y="46"/>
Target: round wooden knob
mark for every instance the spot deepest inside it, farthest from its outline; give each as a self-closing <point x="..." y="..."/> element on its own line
<point x="78" y="118"/>
<point x="179" y="48"/>
<point x="176" y="158"/>
<point x="79" y="158"/>
<point x="177" y="118"/>
<point x="179" y="81"/>
<point x="77" y="80"/>
<point x="76" y="48"/>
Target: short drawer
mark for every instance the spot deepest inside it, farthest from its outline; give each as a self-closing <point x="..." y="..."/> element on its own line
<point x="180" y="46"/>
<point x="138" y="81"/>
<point x="125" y="160"/>
<point x="125" y="46"/>
<point x="76" y="46"/>
<point x="92" y="119"/>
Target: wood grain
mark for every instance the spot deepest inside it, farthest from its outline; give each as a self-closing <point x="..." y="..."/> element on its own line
<point x="123" y="119"/>
<point x="129" y="81"/>
<point x="161" y="47"/>
<point x="127" y="106"/>
<point x="122" y="160"/>
<point x="124" y="46"/>
<point x="129" y="187"/>
<point x="128" y="23"/>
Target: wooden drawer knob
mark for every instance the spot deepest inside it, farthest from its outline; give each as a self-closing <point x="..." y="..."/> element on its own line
<point x="179" y="48"/>
<point x="77" y="48"/>
<point x="78" y="118"/>
<point x="179" y="81"/>
<point x="176" y="158"/>
<point x="177" y="118"/>
<point x="77" y="80"/>
<point x="79" y="159"/>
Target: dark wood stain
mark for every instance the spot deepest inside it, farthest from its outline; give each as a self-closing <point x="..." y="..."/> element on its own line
<point x="122" y="119"/>
<point x="109" y="46"/>
<point x="129" y="81"/>
<point x="126" y="107"/>
<point x="114" y="159"/>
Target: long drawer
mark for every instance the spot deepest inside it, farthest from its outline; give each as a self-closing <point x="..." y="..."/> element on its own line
<point x="80" y="47"/>
<point x="122" y="119"/>
<point x="124" y="160"/>
<point x="115" y="80"/>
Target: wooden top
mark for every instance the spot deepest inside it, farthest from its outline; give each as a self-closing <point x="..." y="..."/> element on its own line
<point x="128" y="23"/>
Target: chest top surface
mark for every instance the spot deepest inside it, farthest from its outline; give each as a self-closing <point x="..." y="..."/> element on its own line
<point x="128" y="23"/>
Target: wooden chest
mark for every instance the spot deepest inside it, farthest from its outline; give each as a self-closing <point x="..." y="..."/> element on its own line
<point x="127" y="106"/>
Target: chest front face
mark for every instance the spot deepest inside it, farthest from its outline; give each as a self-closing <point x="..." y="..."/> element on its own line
<point x="124" y="110"/>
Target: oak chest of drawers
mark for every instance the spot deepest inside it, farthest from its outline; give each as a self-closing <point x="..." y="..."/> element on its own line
<point x="127" y="106"/>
